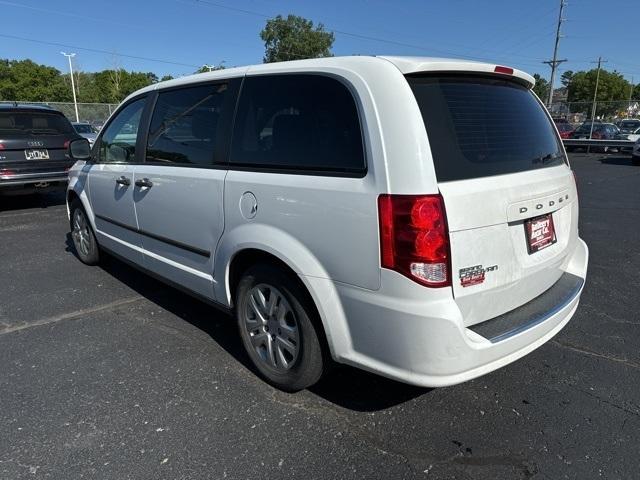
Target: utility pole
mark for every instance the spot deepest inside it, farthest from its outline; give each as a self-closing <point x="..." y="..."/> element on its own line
<point x="555" y="62"/>
<point x="595" y="95"/>
<point x="630" y="97"/>
<point x="73" y="84"/>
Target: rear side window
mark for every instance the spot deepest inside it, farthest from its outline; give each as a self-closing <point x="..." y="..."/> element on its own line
<point x="298" y="122"/>
<point x="185" y="124"/>
<point x="25" y="124"/>
<point x="479" y="127"/>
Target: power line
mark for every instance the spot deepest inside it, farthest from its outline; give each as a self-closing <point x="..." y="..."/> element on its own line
<point x="95" y="50"/>
<point x="351" y="34"/>
<point x="555" y="62"/>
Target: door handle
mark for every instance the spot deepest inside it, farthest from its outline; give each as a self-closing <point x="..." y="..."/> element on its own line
<point x="123" y="181"/>
<point x="145" y="182"/>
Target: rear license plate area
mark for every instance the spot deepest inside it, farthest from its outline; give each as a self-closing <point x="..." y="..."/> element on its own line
<point x="540" y="233"/>
<point x="36" y="154"/>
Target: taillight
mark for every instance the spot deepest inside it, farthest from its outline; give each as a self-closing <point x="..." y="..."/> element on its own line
<point x="5" y="173"/>
<point x="414" y="240"/>
<point x="1" y="146"/>
<point x="66" y="143"/>
<point x="505" y="70"/>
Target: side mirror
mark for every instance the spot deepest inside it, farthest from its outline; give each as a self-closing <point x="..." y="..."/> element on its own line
<point x="80" y="149"/>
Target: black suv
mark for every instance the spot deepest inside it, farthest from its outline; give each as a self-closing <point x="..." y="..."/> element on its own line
<point x="33" y="148"/>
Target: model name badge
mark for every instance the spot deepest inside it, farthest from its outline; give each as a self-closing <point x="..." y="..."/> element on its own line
<point x="35" y="144"/>
<point x="474" y="275"/>
<point x="541" y="205"/>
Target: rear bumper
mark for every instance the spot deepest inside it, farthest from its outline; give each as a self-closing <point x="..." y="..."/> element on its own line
<point x="33" y="178"/>
<point x="395" y="333"/>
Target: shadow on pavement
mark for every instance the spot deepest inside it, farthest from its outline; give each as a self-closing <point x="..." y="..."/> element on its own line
<point x="34" y="200"/>
<point x="344" y="386"/>
<point x="617" y="160"/>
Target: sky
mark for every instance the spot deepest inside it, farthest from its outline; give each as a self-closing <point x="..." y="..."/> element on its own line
<point x="176" y="37"/>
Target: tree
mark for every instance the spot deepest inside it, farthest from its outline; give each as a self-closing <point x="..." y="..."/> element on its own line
<point x="295" y="38"/>
<point x="612" y="87"/>
<point x="566" y="78"/>
<point x="541" y="88"/>
<point x="25" y="80"/>
<point x="211" y="68"/>
<point x="166" y="77"/>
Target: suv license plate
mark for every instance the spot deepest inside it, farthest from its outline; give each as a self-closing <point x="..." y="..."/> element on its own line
<point x="540" y="233"/>
<point x="34" y="154"/>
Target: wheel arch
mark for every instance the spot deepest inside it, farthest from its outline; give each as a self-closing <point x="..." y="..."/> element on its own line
<point x="235" y="254"/>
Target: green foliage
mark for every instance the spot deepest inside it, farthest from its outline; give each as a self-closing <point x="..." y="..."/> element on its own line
<point x="295" y="38"/>
<point x="566" y="77"/>
<point x="25" y="80"/>
<point x="611" y="87"/>
<point x="210" y="68"/>
<point x="541" y="88"/>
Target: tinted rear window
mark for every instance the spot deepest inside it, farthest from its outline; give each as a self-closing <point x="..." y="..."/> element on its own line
<point x="185" y="125"/>
<point x="479" y="127"/>
<point x="298" y="122"/>
<point x="34" y="124"/>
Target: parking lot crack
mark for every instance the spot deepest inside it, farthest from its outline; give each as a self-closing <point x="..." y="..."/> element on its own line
<point x="70" y="315"/>
<point x="583" y="351"/>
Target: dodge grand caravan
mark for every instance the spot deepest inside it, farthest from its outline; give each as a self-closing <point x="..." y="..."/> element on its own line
<point x="374" y="211"/>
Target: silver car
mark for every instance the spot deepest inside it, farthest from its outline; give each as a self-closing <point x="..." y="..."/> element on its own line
<point x="85" y="130"/>
<point x="363" y="210"/>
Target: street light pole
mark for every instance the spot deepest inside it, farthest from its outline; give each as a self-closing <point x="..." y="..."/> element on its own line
<point x="73" y="84"/>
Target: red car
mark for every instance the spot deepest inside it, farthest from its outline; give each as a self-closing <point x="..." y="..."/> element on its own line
<point x="565" y="129"/>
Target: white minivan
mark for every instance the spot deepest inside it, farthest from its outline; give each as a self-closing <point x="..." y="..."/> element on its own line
<point x="414" y="217"/>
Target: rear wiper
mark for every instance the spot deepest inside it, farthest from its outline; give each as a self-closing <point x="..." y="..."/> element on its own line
<point x="546" y="158"/>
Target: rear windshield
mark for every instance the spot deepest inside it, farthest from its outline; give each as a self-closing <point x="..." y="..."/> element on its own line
<point x="586" y="127"/>
<point x="33" y="124"/>
<point x="481" y="126"/>
<point x="630" y="124"/>
<point x="83" y="128"/>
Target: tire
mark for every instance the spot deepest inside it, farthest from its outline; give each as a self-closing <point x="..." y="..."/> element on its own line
<point x="284" y="346"/>
<point x="84" y="239"/>
<point x="635" y="160"/>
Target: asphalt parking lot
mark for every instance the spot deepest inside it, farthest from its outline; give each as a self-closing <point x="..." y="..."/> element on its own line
<point x="109" y="374"/>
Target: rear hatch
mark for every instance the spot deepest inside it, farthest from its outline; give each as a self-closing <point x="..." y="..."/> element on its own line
<point x="34" y="141"/>
<point x="509" y="194"/>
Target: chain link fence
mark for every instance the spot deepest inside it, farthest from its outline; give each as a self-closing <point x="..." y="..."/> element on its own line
<point x="577" y="112"/>
<point x="94" y="113"/>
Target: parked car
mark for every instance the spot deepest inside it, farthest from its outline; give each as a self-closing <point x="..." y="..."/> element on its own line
<point x="629" y="125"/>
<point x="364" y="210"/>
<point x="33" y="148"/>
<point x="600" y="131"/>
<point x="85" y="130"/>
<point x="565" y="129"/>
<point x="632" y="136"/>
